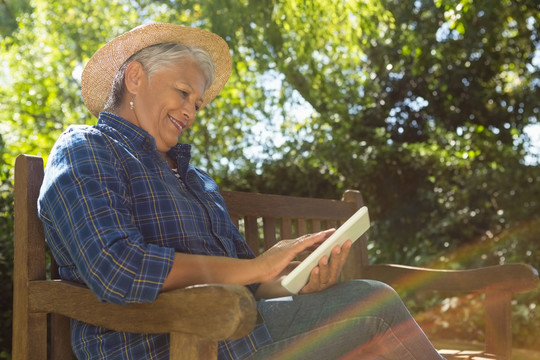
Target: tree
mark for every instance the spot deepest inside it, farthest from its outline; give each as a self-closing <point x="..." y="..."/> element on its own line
<point x="421" y="105"/>
<point x="9" y="11"/>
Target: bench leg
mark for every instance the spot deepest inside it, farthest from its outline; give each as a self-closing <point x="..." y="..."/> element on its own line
<point x="499" y="324"/>
<point x="29" y="336"/>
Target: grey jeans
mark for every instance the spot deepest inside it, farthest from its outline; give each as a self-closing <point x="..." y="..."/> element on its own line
<point x="359" y="319"/>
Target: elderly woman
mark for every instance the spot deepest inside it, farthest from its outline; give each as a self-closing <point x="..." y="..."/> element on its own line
<point x="125" y="213"/>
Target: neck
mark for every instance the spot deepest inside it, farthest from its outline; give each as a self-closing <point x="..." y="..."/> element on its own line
<point x="170" y="161"/>
<point x="127" y="113"/>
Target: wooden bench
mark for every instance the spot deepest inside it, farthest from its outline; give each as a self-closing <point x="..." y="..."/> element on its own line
<point x="199" y="316"/>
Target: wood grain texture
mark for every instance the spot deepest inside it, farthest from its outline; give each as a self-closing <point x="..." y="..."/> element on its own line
<point x="229" y="308"/>
<point x="29" y="329"/>
<point x="512" y="278"/>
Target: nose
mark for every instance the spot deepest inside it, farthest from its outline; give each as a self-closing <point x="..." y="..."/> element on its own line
<point x="189" y="111"/>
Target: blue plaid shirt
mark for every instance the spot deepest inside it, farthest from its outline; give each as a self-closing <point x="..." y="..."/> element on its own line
<point x="114" y="214"/>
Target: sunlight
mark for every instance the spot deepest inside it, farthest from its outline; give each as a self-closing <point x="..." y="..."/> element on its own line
<point x="533" y="151"/>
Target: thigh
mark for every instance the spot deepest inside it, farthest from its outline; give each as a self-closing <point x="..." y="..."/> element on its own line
<point x="324" y="325"/>
<point x="363" y="317"/>
<point x="291" y="316"/>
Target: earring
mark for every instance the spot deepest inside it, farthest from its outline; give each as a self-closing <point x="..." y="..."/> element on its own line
<point x="131" y="105"/>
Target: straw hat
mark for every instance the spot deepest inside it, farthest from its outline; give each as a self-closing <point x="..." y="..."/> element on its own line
<point x="99" y="72"/>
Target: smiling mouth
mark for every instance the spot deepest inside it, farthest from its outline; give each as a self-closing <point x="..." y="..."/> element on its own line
<point x="179" y="125"/>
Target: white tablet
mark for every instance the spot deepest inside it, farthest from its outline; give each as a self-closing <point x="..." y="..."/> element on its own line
<point x="352" y="229"/>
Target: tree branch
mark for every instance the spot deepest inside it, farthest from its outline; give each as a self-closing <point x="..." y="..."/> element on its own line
<point x="8" y="9"/>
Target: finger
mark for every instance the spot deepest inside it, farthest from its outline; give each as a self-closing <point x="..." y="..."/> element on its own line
<point x="337" y="260"/>
<point x="336" y="264"/>
<point x="286" y="250"/>
<point x="314" y="282"/>
<point x="324" y="271"/>
<point x="276" y="259"/>
<point x="314" y="240"/>
<point x="345" y="250"/>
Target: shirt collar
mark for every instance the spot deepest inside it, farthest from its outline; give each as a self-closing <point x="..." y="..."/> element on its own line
<point x="137" y="136"/>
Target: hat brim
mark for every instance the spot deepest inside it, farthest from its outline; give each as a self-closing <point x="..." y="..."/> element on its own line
<point x="99" y="72"/>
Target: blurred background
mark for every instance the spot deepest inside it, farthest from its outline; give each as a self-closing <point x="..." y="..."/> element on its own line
<point x="431" y="108"/>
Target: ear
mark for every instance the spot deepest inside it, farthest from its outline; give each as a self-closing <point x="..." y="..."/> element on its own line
<point x="134" y="77"/>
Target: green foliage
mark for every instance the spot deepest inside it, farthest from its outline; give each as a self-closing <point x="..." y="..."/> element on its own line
<point x="420" y="105"/>
<point x="9" y="11"/>
<point x="6" y="257"/>
<point x="41" y="95"/>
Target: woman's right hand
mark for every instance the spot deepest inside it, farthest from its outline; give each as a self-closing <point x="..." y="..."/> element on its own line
<point x="273" y="261"/>
<point x="189" y="269"/>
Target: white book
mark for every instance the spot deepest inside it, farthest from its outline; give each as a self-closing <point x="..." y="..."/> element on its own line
<point x="352" y="229"/>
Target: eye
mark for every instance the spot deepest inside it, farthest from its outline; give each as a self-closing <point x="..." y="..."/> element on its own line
<point x="185" y="94"/>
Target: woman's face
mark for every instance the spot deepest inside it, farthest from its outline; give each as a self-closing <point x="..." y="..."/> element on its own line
<point x="166" y="104"/>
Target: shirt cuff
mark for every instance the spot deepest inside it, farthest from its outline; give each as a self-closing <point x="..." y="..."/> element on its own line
<point x="156" y="265"/>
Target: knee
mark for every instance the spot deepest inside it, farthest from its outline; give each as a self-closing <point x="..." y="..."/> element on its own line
<point x="363" y="299"/>
<point x="381" y="287"/>
<point x="372" y="291"/>
<point x="370" y="286"/>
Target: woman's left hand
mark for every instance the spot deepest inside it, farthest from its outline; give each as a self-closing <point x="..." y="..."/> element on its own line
<point x="327" y="273"/>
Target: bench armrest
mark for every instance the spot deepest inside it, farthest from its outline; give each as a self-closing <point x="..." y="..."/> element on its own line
<point x="512" y="278"/>
<point x="214" y="312"/>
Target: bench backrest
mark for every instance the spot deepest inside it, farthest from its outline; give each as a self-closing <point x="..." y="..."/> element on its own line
<point x="265" y="219"/>
<point x="29" y="329"/>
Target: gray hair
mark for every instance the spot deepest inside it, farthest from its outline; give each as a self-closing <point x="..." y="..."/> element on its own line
<point x="159" y="57"/>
